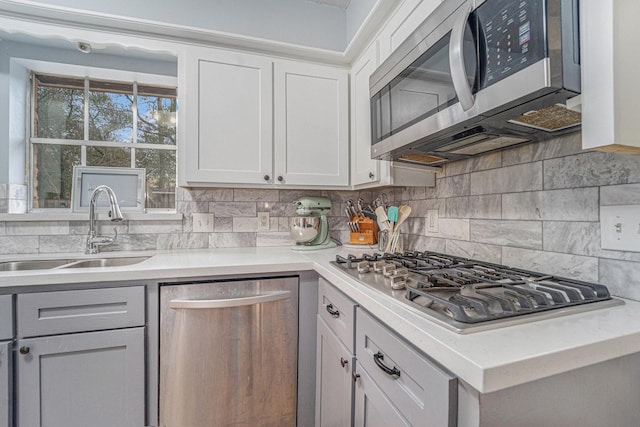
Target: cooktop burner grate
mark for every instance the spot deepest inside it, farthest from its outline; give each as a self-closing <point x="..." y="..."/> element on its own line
<point x="463" y="293"/>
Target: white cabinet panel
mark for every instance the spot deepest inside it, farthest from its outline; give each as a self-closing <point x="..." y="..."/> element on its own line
<point x="228" y="124"/>
<point x="5" y="384"/>
<point x="334" y="386"/>
<point x="311" y="124"/>
<point x="406" y="19"/>
<point x="372" y="408"/>
<point x="79" y="380"/>
<point x="363" y="168"/>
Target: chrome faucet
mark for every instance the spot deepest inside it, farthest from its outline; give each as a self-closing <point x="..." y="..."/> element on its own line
<point x="93" y="240"/>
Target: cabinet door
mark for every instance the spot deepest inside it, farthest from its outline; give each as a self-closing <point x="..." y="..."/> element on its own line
<point x="78" y="380"/>
<point x="5" y="384"/>
<point x="363" y="168"/>
<point x="311" y="124"/>
<point x="372" y="408"/>
<point x="227" y="111"/>
<point x="334" y="385"/>
<point x="405" y="20"/>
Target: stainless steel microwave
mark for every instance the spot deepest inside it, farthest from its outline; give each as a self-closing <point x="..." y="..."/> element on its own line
<point x="475" y="77"/>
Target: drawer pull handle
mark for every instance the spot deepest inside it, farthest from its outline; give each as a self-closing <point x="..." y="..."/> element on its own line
<point x="378" y="358"/>
<point x="24" y="350"/>
<point x="332" y="311"/>
<point x="344" y="362"/>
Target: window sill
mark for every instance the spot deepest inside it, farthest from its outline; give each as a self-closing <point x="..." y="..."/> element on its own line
<point x="84" y="216"/>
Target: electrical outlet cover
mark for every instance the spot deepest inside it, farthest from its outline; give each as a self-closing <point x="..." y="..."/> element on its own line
<point x="620" y="227"/>
<point x="432" y="221"/>
<point x="263" y="221"/>
<point x="202" y="223"/>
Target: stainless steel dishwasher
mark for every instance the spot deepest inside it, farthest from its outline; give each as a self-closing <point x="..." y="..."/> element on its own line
<point x="228" y="353"/>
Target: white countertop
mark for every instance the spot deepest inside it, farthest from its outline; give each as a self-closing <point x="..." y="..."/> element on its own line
<point x="487" y="360"/>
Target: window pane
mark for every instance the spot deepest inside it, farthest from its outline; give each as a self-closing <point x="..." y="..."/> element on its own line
<point x="110" y="111"/>
<point x="161" y="177"/>
<point x="53" y="174"/>
<point x="109" y="157"/>
<point x="156" y="120"/>
<point x="59" y="108"/>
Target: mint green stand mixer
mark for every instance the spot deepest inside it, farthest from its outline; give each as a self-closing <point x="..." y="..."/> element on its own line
<point x="310" y="229"/>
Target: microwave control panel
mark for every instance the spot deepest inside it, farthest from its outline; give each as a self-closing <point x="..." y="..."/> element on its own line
<point x="512" y="33"/>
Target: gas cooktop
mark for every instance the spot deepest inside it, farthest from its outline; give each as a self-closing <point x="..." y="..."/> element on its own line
<point x="469" y="296"/>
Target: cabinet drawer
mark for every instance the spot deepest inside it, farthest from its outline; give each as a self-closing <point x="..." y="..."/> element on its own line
<point x="338" y="311"/>
<point x="425" y="394"/>
<point x="6" y="317"/>
<point x="48" y="313"/>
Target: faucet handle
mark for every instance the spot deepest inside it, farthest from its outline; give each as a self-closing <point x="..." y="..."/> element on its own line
<point x="115" y="236"/>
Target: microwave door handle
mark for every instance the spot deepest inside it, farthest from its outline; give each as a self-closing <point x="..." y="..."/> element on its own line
<point x="456" y="59"/>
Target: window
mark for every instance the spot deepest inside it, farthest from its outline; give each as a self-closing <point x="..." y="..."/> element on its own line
<point x="87" y="122"/>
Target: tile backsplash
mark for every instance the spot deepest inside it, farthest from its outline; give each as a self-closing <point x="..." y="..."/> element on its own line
<point x="535" y="207"/>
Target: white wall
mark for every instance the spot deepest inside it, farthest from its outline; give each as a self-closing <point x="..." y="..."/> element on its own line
<point x="291" y="21"/>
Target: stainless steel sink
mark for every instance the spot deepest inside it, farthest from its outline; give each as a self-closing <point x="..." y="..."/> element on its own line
<point x="106" y="262"/>
<point x="33" y="264"/>
<point x="46" y="264"/>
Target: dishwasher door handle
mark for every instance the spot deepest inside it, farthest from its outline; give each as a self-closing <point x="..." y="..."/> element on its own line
<point x="228" y="302"/>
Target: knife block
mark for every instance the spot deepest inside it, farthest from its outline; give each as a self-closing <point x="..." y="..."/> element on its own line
<point x="368" y="234"/>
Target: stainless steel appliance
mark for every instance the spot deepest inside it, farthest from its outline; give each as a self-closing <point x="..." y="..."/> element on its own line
<point x="310" y="229"/>
<point x="477" y="76"/>
<point x="469" y="296"/>
<point x="228" y="353"/>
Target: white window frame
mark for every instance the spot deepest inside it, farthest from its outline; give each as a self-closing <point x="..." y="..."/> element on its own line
<point x="91" y="73"/>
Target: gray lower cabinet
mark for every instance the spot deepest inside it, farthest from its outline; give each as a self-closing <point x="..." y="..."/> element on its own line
<point x="372" y="407"/>
<point x="79" y="358"/>
<point x="334" y="384"/>
<point x="78" y="380"/>
<point x="424" y="393"/>
<point x="5" y="384"/>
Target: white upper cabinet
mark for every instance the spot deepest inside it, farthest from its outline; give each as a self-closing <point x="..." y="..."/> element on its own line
<point x="253" y="120"/>
<point x="609" y="32"/>
<point x="404" y="21"/>
<point x="364" y="169"/>
<point x="311" y="124"/>
<point x="227" y="125"/>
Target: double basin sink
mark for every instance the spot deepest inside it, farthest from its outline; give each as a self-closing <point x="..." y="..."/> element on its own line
<point x="70" y="263"/>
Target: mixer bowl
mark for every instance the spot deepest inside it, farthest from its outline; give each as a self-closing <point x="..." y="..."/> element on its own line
<point x="304" y="229"/>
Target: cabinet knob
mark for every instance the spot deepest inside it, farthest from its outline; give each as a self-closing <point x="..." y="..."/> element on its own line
<point x="24" y="350"/>
<point x="371" y="175"/>
<point x="280" y="178"/>
<point x="344" y="362"/>
<point x="267" y="177"/>
<point x="355" y="377"/>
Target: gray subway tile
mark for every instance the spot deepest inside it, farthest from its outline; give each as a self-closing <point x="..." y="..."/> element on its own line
<point x="19" y="244"/>
<point x="232" y="240"/>
<point x="183" y="241"/>
<point x="580" y="238"/>
<point x="68" y="243"/>
<point x="625" y="194"/>
<point x="524" y="234"/>
<point x="477" y="207"/>
<point x="29" y="228"/>
<point x="233" y="209"/>
<point x="489" y="161"/>
<point x="564" y="145"/>
<point x="273" y="239"/>
<point x="451" y="229"/>
<point x="561" y="205"/>
<point x="454" y="186"/>
<point x="621" y="277"/>
<point x="525" y="177"/>
<point x="591" y="169"/>
<point x="148" y="227"/>
<point x="255" y="195"/>
<point x="570" y="266"/>
<point x="478" y="251"/>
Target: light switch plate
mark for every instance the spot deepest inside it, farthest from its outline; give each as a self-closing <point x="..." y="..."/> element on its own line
<point x="202" y="223"/>
<point x="432" y="221"/>
<point x="263" y="221"/>
<point x="620" y="227"/>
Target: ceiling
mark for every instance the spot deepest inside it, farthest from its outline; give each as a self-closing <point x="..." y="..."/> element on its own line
<point x="338" y="3"/>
